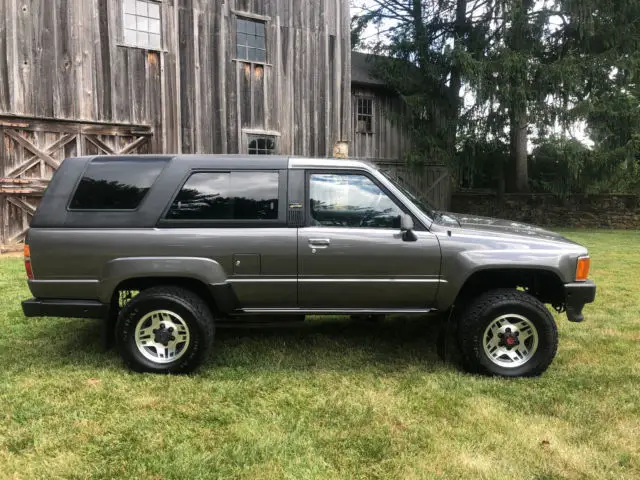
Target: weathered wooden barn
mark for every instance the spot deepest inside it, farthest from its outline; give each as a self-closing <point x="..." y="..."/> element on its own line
<point x="376" y="136"/>
<point x="83" y="77"/>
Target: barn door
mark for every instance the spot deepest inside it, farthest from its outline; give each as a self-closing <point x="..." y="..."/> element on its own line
<point x="31" y="151"/>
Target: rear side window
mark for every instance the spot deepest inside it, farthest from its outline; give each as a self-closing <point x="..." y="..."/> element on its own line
<point x="227" y="196"/>
<point x="116" y="184"/>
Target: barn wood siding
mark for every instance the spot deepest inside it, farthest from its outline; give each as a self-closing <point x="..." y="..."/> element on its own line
<point x="301" y="91"/>
<point x="60" y="59"/>
<point x="63" y="60"/>
<point x="387" y="142"/>
<point x="388" y="145"/>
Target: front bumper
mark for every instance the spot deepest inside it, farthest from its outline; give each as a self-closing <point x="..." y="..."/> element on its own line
<point x="576" y="296"/>
<point x="64" y="308"/>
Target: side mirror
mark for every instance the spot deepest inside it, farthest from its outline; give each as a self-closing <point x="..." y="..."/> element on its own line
<point x="406" y="226"/>
<point x="406" y="223"/>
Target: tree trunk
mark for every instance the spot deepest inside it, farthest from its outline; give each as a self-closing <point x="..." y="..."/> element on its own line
<point x="456" y="77"/>
<point x="518" y="41"/>
<point x="519" y="178"/>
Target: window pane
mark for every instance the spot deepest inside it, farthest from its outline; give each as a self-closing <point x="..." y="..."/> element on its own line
<point x="142" y="39"/>
<point x="154" y="10"/>
<point x="143" y="24"/>
<point x="241" y="26"/>
<point x="262" y="145"/>
<point x="154" y="26"/>
<point x="250" y="26"/>
<point x="228" y="196"/>
<point x="154" y="41"/>
<point x="241" y="52"/>
<point x="259" y="42"/>
<point x="130" y="22"/>
<point x="242" y="39"/>
<point x="257" y="195"/>
<point x="129" y="6"/>
<point x="130" y="37"/>
<point x="141" y="8"/>
<point x="351" y="201"/>
<point x="261" y="55"/>
<point x="251" y="54"/>
<point x="260" y="29"/>
<point x="116" y="184"/>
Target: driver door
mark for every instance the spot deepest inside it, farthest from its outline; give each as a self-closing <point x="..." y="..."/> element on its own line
<point x="351" y="253"/>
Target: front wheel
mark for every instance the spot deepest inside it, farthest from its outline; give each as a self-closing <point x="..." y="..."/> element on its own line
<point x="164" y="330"/>
<point x="507" y="333"/>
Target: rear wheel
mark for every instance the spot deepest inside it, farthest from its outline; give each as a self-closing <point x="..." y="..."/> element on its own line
<point x="165" y="330"/>
<point x="507" y="333"/>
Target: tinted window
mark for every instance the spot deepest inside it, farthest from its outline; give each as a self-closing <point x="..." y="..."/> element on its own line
<point x="354" y="201"/>
<point x="227" y="196"/>
<point x="115" y="184"/>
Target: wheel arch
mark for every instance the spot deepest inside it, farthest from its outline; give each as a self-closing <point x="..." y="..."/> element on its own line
<point x="201" y="275"/>
<point x="543" y="284"/>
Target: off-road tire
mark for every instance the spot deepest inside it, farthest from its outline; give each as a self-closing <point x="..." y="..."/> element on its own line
<point x="191" y="308"/>
<point x="475" y="319"/>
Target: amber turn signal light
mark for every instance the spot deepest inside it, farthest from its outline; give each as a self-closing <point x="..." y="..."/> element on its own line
<point x="582" y="269"/>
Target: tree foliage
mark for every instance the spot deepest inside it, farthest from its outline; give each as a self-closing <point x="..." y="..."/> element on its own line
<point x="512" y="77"/>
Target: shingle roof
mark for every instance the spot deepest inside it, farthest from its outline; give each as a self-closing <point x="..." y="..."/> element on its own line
<point x="362" y="70"/>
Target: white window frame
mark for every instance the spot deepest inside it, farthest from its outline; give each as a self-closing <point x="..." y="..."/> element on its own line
<point x="250" y="137"/>
<point x="371" y="116"/>
<point x="141" y="25"/>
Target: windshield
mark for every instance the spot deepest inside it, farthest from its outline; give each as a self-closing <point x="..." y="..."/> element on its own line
<point x="423" y="205"/>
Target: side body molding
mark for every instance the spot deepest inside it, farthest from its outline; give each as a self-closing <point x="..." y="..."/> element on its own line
<point x="206" y="270"/>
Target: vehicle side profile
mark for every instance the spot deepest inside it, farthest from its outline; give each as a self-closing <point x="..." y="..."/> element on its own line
<point x="162" y="248"/>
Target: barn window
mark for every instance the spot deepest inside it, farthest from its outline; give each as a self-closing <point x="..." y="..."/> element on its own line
<point x="141" y="24"/>
<point x="250" y="40"/>
<point x="262" y="145"/>
<point x="364" y="113"/>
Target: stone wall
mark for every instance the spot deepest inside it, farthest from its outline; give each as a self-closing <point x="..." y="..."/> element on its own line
<point x="577" y="211"/>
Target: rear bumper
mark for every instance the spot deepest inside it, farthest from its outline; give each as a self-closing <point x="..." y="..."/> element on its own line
<point x="577" y="295"/>
<point x="64" y="308"/>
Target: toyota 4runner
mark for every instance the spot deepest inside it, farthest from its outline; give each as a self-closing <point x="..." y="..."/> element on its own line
<point x="163" y="247"/>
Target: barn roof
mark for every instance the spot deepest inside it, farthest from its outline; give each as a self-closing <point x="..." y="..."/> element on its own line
<point x="362" y="70"/>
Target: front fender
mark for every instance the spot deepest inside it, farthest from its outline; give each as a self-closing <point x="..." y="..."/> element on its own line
<point x="116" y="271"/>
<point x="464" y="255"/>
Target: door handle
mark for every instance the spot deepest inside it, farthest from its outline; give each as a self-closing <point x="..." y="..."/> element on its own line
<point x="319" y="242"/>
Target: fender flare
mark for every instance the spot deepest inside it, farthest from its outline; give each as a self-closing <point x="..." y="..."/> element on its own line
<point x="116" y="271"/>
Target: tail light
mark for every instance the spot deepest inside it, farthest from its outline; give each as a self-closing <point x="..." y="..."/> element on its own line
<point x="582" y="269"/>
<point x="27" y="262"/>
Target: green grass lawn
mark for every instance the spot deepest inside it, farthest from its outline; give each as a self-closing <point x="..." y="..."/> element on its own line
<point x="330" y="399"/>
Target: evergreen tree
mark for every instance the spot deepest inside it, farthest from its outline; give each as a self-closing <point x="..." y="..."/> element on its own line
<point x="527" y="67"/>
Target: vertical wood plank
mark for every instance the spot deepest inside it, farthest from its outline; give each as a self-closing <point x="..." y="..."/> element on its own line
<point x="23" y="38"/>
<point x="103" y="53"/>
<point x="187" y="72"/>
<point x="5" y="99"/>
<point x="221" y="67"/>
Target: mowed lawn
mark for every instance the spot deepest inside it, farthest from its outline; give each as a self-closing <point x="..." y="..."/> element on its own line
<point x="331" y="399"/>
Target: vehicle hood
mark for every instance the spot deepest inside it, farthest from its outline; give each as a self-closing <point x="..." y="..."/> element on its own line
<point x="496" y="225"/>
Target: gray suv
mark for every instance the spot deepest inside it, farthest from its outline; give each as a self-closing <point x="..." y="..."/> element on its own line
<point x="162" y="247"/>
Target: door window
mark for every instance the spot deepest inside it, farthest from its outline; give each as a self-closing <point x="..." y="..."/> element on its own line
<point x="351" y="201"/>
